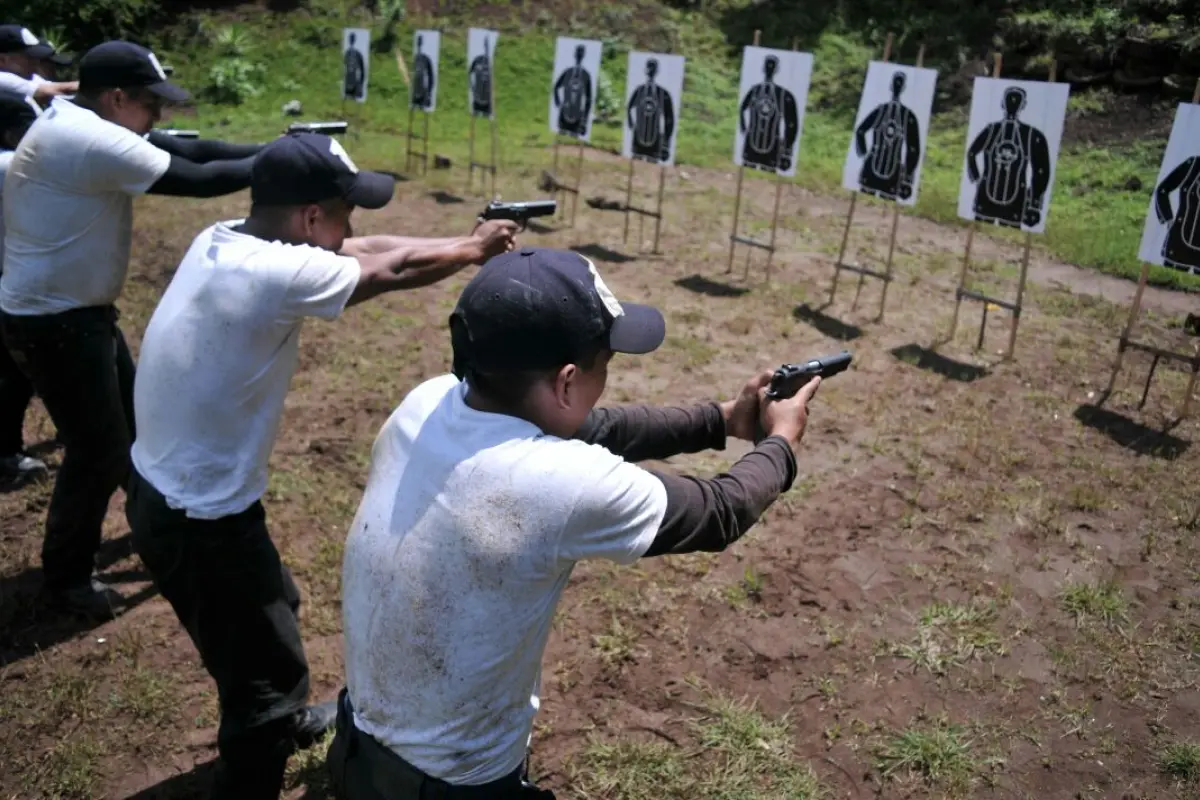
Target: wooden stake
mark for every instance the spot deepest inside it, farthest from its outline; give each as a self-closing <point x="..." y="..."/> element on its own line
<point x="578" y="183"/>
<point x="737" y="198"/>
<point x="628" y="199"/>
<point x="471" y="152"/>
<point x="495" y="160"/>
<point x="662" y="185"/>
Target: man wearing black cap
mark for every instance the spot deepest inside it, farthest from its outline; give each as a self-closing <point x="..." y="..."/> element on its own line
<point x="17" y="113"/>
<point x="486" y="488"/>
<point x="69" y="220"/>
<point x="26" y="61"/>
<point x="216" y="361"/>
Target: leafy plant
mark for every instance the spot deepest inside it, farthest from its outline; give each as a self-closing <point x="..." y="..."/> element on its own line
<point x="232" y="81"/>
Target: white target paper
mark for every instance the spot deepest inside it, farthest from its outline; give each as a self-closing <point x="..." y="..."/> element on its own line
<point x="1013" y="140"/>
<point x="356" y="63"/>
<point x="423" y="89"/>
<point x="573" y="87"/>
<point x="653" y="89"/>
<point x="481" y="75"/>
<point x="771" y="99"/>
<point x="1171" y="237"/>
<point x="887" y="147"/>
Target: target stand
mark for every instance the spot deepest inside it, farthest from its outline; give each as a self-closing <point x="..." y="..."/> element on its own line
<point x="551" y="182"/>
<point x="963" y="293"/>
<point x="488" y="168"/>
<point x="865" y="272"/>
<point x="749" y="241"/>
<point x="413" y="155"/>
<point x="1158" y="354"/>
<point x="643" y="213"/>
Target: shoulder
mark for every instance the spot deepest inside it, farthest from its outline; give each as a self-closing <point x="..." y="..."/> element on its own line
<point x="597" y="475"/>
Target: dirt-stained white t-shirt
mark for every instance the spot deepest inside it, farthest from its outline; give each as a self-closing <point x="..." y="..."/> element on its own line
<point x="68" y="210"/>
<point x="469" y="528"/>
<point x="216" y="361"/>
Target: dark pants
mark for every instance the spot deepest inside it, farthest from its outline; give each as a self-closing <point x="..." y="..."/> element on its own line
<point x="237" y="601"/>
<point x="363" y="769"/>
<point x="78" y="363"/>
<point x="15" y="393"/>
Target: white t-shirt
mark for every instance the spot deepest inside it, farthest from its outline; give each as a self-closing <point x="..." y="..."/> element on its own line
<point x="15" y="83"/>
<point x="69" y="210"/>
<point x="216" y="361"/>
<point x="468" y="530"/>
<point x="5" y="160"/>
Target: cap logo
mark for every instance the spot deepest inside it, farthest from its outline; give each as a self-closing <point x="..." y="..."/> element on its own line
<point x="606" y="296"/>
<point x="336" y="148"/>
<point x="28" y="38"/>
<point x="157" y="67"/>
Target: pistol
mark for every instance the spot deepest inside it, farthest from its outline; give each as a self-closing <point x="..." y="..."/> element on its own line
<point x="791" y="378"/>
<point x="327" y="128"/>
<point x="520" y="212"/>
<point x="179" y="134"/>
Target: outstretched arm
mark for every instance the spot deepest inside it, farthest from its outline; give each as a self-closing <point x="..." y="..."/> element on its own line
<point x="359" y="246"/>
<point x="860" y="133"/>
<point x="1162" y="195"/>
<point x="638" y="433"/>
<point x="201" y="151"/>
<point x="185" y="178"/>
<point x="973" y="153"/>
<point x="1040" y="163"/>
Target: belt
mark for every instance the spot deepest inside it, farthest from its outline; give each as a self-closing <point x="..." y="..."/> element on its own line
<point x="394" y="778"/>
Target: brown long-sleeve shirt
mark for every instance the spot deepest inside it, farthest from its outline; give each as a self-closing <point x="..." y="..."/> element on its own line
<point x="703" y="514"/>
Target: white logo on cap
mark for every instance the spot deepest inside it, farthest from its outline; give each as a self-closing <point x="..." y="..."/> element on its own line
<point x="27" y="37"/>
<point x="157" y="67"/>
<point x="606" y="296"/>
<point x="336" y="148"/>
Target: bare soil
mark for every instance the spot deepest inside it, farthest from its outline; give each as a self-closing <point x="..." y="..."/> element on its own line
<point x="930" y="475"/>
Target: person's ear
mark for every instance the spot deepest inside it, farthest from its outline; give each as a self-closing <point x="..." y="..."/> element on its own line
<point x="564" y="385"/>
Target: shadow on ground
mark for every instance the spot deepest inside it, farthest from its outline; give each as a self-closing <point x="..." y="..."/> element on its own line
<point x="445" y="198"/>
<point x="706" y="286"/>
<point x="926" y="359"/>
<point x="827" y="325"/>
<point x="1132" y="435"/>
<point x="598" y="252"/>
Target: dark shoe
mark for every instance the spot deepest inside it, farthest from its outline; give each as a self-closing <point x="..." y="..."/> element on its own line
<point x="20" y="469"/>
<point x="94" y="599"/>
<point x="313" y="722"/>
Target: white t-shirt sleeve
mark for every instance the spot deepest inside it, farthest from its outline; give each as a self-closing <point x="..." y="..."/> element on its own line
<point x="15" y="83"/>
<point x="617" y="512"/>
<point x="322" y="284"/>
<point x="125" y="162"/>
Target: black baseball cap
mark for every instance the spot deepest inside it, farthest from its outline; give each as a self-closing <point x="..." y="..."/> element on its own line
<point x="302" y="168"/>
<point x="19" y="39"/>
<point x="16" y="110"/>
<point x="540" y="308"/>
<point x="125" y="65"/>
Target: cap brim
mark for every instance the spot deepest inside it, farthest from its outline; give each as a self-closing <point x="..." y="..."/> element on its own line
<point x="61" y="59"/>
<point x="371" y="190"/>
<point x="170" y="92"/>
<point x="39" y="51"/>
<point x="641" y="329"/>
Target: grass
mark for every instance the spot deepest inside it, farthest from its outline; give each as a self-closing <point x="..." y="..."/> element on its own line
<point x="939" y="754"/>
<point x="1094" y="221"/>
<point x="1101" y="601"/>
<point x="1181" y="760"/>
<point x="950" y="635"/>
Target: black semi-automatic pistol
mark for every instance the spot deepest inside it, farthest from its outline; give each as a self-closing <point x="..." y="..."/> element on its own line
<point x="791" y="378"/>
<point x="178" y="133"/>
<point x="520" y="213"/>
<point x="327" y="128"/>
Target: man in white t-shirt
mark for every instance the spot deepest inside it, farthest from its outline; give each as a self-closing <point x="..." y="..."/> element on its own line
<point x="215" y="364"/>
<point x="68" y="215"/>
<point x="17" y="113"/>
<point x="24" y="61"/>
<point x="486" y="487"/>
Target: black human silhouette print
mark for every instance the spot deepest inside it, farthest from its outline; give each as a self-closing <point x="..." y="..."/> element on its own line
<point x="769" y="122"/>
<point x="355" y="71"/>
<point x="423" y="78"/>
<point x="651" y="118"/>
<point x="890" y="159"/>
<point x="573" y="96"/>
<point x="1016" y="167"/>
<point x="1181" y="249"/>
<point x="480" y="78"/>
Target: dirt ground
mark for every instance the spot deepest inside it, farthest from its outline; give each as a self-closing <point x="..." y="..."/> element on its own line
<point x="982" y="584"/>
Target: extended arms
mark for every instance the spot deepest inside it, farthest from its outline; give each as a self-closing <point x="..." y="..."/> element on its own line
<point x="638" y="433"/>
<point x="414" y="265"/>
<point x="202" y="151"/>
<point x="186" y="178"/>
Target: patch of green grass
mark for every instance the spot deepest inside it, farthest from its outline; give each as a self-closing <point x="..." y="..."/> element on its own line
<point x="1181" y="760"/>
<point x="939" y="753"/>
<point x="616" y="645"/>
<point x="950" y="635"/>
<point x="1102" y="601"/>
<point x="749" y="587"/>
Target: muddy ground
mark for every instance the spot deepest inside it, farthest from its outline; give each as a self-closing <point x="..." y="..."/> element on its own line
<point x="981" y="585"/>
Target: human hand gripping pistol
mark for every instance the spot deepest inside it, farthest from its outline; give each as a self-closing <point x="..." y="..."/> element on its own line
<point x="520" y="213"/>
<point x="791" y="378"/>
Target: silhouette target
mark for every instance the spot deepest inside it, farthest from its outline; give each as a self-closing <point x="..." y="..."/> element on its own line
<point x="426" y="45"/>
<point x="888" y="144"/>
<point x="653" y="88"/>
<point x="356" y="51"/>
<point x="481" y="76"/>
<point x="773" y="92"/>
<point x="1013" y="141"/>
<point x="573" y="87"/>
<point x="1171" y="235"/>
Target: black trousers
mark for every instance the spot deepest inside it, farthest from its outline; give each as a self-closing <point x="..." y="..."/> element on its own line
<point x="363" y="769"/>
<point x="15" y="393"/>
<point x="238" y="603"/>
<point x="80" y="366"/>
